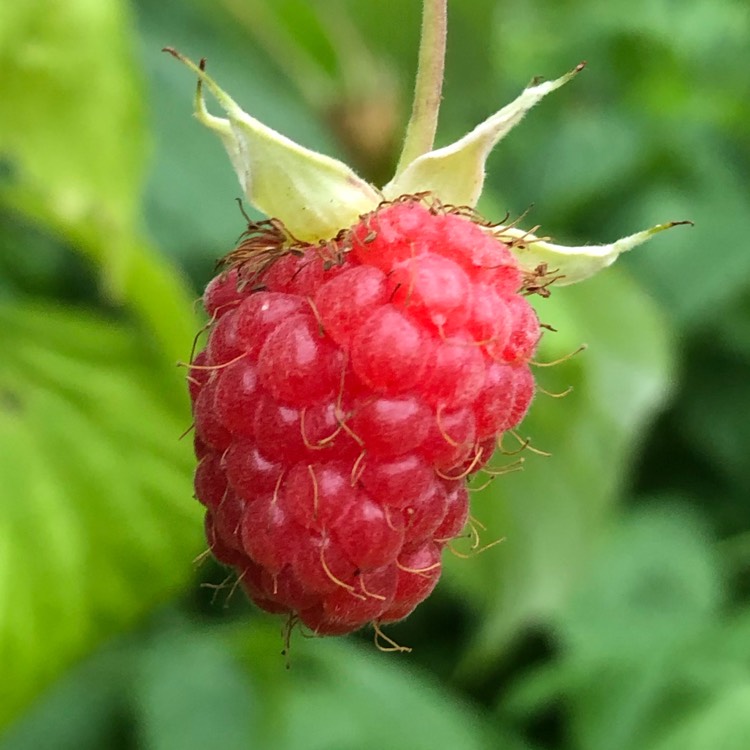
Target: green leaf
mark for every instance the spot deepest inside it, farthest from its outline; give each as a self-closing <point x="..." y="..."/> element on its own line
<point x="655" y="584"/>
<point x="75" y="139"/>
<point x="97" y="524"/>
<point x="190" y="693"/>
<point x="714" y="419"/>
<point x="73" y="136"/>
<point x="724" y="724"/>
<point x="339" y="695"/>
<point x="640" y="636"/>
<point x="551" y="513"/>
<point x="76" y="132"/>
<point x="81" y="711"/>
<point x="695" y="273"/>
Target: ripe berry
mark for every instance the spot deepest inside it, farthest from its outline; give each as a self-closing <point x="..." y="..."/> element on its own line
<point x="345" y="392"/>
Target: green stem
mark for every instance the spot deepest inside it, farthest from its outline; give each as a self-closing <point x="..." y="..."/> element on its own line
<point x="420" y="132"/>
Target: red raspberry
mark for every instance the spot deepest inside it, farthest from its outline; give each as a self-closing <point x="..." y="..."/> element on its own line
<point x="345" y="391"/>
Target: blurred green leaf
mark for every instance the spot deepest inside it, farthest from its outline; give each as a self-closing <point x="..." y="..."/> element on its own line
<point x="341" y="696"/>
<point x="693" y="273"/>
<point x="72" y="121"/>
<point x="72" y="137"/>
<point x="734" y="335"/>
<point x="656" y="583"/>
<point x="640" y="637"/>
<point x="724" y="724"/>
<point x="79" y="712"/>
<point x="701" y="448"/>
<point x="715" y="419"/>
<point x="35" y="263"/>
<point x="552" y="512"/>
<point x="190" y="693"/>
<point x="97" y="522"/>
<point x="184" y="685"/>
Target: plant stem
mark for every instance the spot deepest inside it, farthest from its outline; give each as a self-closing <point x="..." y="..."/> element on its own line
<point x="420" y="132"/>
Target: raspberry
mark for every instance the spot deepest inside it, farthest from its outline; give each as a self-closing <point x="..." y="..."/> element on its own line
<point x="345" y="392"/>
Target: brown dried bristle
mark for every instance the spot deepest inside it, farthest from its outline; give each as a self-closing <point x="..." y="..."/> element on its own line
<point x="265" y="242"/>
<point x="261" y="244"/>
<point x="539" y="280"/>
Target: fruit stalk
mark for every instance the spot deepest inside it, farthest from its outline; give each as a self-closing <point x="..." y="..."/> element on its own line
<point x="420" y="132"/>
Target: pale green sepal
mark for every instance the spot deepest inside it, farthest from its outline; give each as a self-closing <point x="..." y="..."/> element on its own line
<point x="569" y="265"/>
<point x="313" y="195"/>
<point x="455" y="173"/>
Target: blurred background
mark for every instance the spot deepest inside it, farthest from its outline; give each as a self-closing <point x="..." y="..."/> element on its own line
<point x="615" y="615"/>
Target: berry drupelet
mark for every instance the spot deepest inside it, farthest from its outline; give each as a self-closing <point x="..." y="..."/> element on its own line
<point x="346" y="392"/>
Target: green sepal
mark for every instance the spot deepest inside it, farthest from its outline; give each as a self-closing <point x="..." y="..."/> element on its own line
<point x="313" y="195"/>
<point x="455" y="173"/>
<point x="569" y="265"/>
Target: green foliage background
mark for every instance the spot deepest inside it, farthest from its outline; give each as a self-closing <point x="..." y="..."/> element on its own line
<point x="615" y="614"/>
